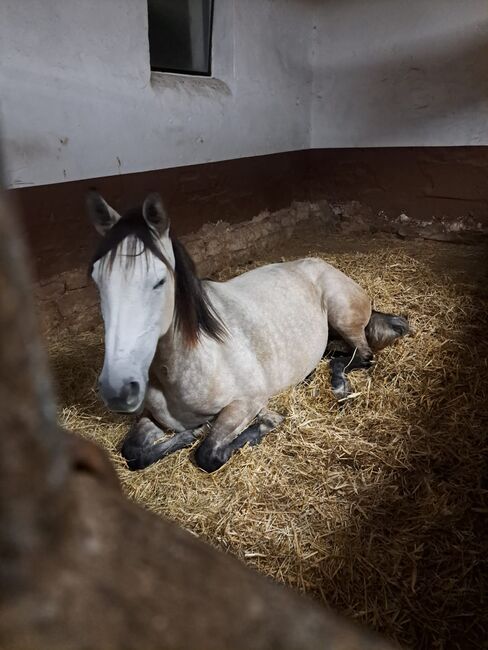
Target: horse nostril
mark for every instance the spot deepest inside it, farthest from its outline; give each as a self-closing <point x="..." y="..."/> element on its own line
<point x="123" y="398"/>
<point x="130" y="392"/>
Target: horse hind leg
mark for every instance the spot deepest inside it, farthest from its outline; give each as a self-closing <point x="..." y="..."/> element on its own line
<point x="384" y="329"/>
<point x="359" y="355"/>
<point x="341" y="366"/>
<point x="380" y="331"/>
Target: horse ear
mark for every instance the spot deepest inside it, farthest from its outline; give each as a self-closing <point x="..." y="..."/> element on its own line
<point x="102" y="215"/>
<point x="155" y="214"/>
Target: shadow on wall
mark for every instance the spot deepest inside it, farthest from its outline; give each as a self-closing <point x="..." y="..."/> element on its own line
<point x="402" y="87"/>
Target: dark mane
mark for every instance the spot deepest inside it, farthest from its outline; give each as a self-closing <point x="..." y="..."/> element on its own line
<point x="194" y="313"/>
<point x="133" y="225"/>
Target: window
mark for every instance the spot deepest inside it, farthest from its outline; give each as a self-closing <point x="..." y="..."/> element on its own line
<point x="180" y="35"/>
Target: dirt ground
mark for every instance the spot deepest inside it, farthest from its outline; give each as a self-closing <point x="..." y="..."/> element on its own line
<point x="462" y="262"/>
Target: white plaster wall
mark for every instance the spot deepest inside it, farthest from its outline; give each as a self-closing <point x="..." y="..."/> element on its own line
<point x="400" y="73"/>
<point x="78" y="100"/>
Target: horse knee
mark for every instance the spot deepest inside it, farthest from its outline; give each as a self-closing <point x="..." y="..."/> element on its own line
<point x="366" y="355"/>
<point x="360" y="345"/>
<point x="210" y="457"/>
<point x="351" y="329"/>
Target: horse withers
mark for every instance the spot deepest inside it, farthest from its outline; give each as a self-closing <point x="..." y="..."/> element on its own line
<point x="201" y="359"/>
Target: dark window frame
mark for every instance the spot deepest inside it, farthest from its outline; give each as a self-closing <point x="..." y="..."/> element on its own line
<point x="192" y="73"/>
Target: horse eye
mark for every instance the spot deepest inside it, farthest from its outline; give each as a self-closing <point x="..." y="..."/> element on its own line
<point x="159" y="284"/>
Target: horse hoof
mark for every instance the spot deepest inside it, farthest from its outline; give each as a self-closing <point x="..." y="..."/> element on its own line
<point x="206" y="459"/>
<point x="400" y="325"/>
<point x="341" y="387"/>
<point x="133" y="457"/>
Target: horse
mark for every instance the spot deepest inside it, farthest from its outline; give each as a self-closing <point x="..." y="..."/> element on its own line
<point x="199" y="359"/>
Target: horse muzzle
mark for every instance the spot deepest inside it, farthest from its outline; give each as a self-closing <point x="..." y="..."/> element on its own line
<point x="125" y="398"/>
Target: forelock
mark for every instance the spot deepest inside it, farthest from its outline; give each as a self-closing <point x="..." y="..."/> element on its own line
<point x="129" y="239"/>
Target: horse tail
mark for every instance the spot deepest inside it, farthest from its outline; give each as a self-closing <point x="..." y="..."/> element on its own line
<point x="384" y="329"/>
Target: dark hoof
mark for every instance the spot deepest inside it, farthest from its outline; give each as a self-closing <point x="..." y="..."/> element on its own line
<point x="134" y="457"/>
<point x="400" y="325"/>
<point x="207" y="460"/>
<point x="139" y="456"/>
<point x="140" y="447"/>
<point x="341" y="387"/>
<point x="142" y="452"/>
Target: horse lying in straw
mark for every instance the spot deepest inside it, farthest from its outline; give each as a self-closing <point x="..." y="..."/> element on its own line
<point x="193" y="354"/>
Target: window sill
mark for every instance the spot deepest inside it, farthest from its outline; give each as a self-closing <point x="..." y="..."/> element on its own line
<point x="196" y="83"/>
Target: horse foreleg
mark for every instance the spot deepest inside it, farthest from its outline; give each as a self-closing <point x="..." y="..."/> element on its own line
<point x="146" y="443"/>
<point x="235" y="426"/>
<point x="265" y="422"/>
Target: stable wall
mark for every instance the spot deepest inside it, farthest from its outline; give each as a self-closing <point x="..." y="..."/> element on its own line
<point x="400" y="107"/>
<point x="400" y="73"/>
<point x="297" y="87"/>
<point x="79" y="100"/>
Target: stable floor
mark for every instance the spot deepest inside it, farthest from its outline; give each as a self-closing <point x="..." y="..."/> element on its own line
<point x="378" y="507"/>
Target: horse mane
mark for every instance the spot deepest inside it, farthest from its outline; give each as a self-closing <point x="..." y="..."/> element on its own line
<point x="194" y="312"/>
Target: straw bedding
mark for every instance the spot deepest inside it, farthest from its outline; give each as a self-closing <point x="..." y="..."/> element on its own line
<point x="375" y="507"/>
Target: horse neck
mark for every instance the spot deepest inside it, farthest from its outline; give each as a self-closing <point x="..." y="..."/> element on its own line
<point x="173" y="353"/>
<point x="174" y="350"/>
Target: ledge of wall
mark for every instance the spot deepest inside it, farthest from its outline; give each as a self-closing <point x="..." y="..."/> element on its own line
<point x="436" y="193"/>
<point x="423" y="183"/>
<point x="61" y="238"/>
<point x="431" y="183"/>
<point x="69" y="300"/>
